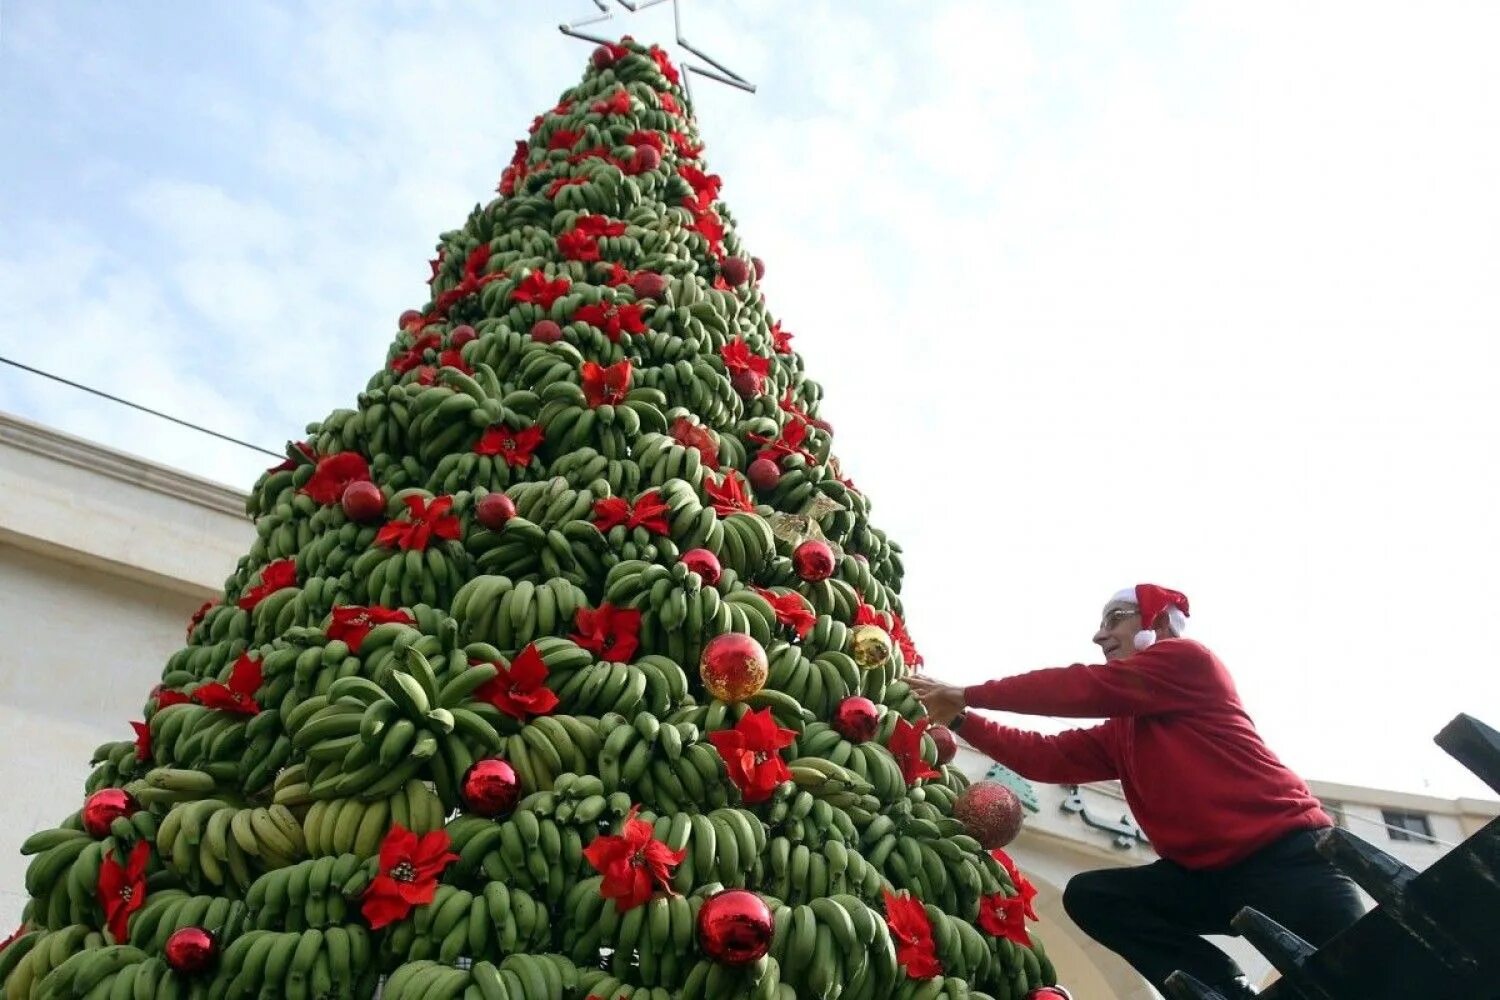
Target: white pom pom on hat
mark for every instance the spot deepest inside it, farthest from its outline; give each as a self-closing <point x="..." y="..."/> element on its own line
<point x="1153" y="602"/>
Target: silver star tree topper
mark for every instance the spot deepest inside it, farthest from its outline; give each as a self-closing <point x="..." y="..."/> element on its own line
<point x="718" y="71"/>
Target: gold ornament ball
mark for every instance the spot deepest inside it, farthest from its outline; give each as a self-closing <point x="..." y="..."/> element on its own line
<point x="870" y="646"/>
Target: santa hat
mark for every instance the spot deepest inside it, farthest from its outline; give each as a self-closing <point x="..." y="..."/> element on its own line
<point x="1153" y="602"/>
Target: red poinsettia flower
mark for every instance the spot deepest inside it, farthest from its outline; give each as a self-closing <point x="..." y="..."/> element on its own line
<point x="427" y="520"/>
<point x="792" y="610"/>
<point x="238" y="696"/>
<point x="167" y="697"/>
<point x="665" y="65"/>
<point x="575" y="244"/>
<point x="646" y="137"/>
<point x="198" y="616"/>
<point x="740" y="360"/>
<point x="705" y="188"/>
<point x="684" y="146"/>
<point x="142" y="740"/>
<point x="436" y="264"/>
<point x="710" y="228"/>
<point x="788" y="404"/>
<point x="634" y="863"/>
<point x="334" y="474"/>
<point x="617" y="103"/>
<point x="276" y="576"/>
<point x="451" y="358"/>
<point x="648" y="511"/>
<point x="903" y="641"/>
<point x="473" y="280"/>
<point x="516" y="447"/>
<point x="1026" y="891"/>
<point x="865" y="614"/>
<point x="512" y="175"/>
<point x="537" y="289"/>
<point x="610" y="633"/>
<point x="566" y="105"/>
<point x="613" y="318"/>
<point x="563" y="138"/>
<point x="14" y="937"/>
<point x="599" y="225"/>
<point x="352" y="622"/>
<point x="1004" y="917"/>
<point x="520" y="689"/>
<point x="618" y="275"/>
<point x="606" y="385"/>
<point x="728" y="495"/>
<point x="781" y="341"/>
<point x="751" y="752"/>
<point x="291" y="462"/>
<point x="414" y="355"/>
<point x="791" y="441"/>
<point x="408" y="875"/>
<point x="700" y="439"/>
<point x="905" y="745"/>
<point x="911" y="932"/>
<point x="668" y="103"/>
<point x="562" y="182"/>
<point x="122" y="888"/>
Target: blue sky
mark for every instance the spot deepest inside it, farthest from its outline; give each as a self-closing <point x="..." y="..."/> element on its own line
<point x="1200" y="293"/>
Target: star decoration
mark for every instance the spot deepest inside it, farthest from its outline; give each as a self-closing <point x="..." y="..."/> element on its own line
<point x="820" y="506"/>
<point x="718" y="71"/>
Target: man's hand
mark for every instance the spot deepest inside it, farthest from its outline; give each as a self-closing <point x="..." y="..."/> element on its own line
<point x="942" y="701"/>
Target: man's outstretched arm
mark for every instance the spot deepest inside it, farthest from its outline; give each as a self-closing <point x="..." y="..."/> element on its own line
<point x="1071" y="757"/>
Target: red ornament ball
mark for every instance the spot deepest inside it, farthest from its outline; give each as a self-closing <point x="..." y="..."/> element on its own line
<point x="544" y="331"/>
<point x="735" y="271"/>
<point x="857" y="719"/>
<point x="991" y="812"/>
<point x="362" y="501"/>
<point x="101" y="809"/>
<point x="603" y="57"/>
<point x="409" y="318"/>
<point x="704" y="563"/>
<point x="747" y="383"/>
<point x="647" y="158"/>
<point x="192" y="950"/>
<point x="764" y="474"/>
<point x="649" y="285"/>
<point x="733" y="667"/>
<point x="461" y="335"/>
<point x="947" y="743"/>
<point x="735" y="927"/>
<point x="490" y="788"/>
<point x="494" y="509"/>
<point x="760" y="267"/>
<point x="1049" y="993"/>
<point x="813" y="560"/>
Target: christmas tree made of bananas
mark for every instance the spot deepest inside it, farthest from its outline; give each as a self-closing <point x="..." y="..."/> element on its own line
<point x="592" y="397"/>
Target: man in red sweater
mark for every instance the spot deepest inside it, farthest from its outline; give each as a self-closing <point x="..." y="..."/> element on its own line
<point x="1233" y="826"/>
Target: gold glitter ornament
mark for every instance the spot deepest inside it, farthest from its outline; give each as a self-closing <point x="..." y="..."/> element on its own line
<point x="870" y="646"/>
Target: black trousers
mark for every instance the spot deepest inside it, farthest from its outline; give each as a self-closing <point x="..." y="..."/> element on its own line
<point x="1153" y="915"/>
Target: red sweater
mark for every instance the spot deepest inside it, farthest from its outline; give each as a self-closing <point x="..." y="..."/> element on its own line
<point x="1199" y="780"/>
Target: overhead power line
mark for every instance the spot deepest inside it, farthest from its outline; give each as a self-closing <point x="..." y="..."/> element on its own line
<point x="144" y="409"/>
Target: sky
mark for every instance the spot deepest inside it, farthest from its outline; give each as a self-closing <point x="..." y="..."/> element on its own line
<point x="1199" y="294"/>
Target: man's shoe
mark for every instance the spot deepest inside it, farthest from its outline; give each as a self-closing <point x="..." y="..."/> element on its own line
<point x="1237" y="988"/>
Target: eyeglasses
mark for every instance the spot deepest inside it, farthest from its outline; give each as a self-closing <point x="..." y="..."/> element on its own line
<point x="1118" y="615"/>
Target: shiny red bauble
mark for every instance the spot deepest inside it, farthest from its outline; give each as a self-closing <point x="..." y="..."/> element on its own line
<point x="813" y="560"/>
<point x="704" y="563"/>
<point x="649" y="285"/>
<point x="490" y="788"/>
<point x="494" y="509"/>
<point x="1049" y="993"/>
<point x="191" y="950"/>
<point x="857" y="719"/>
<point x="362" y="501"/>
<point x="735" y="927"/>
<point x="544" y="331"/>
<point x="647" y="158"/>
<point x="947" y="743"/>
<point x="461" y="335"/>
<point x="764" y="474"/>
<point x="733" y="667"/>
<point x="409" y="318"/>
<point x="603" y="57"/>
<point x="735" y="271"/>
<point x="101" y="809"/>
<point x="747" y="383"/>
<point x="991" y="813"/>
